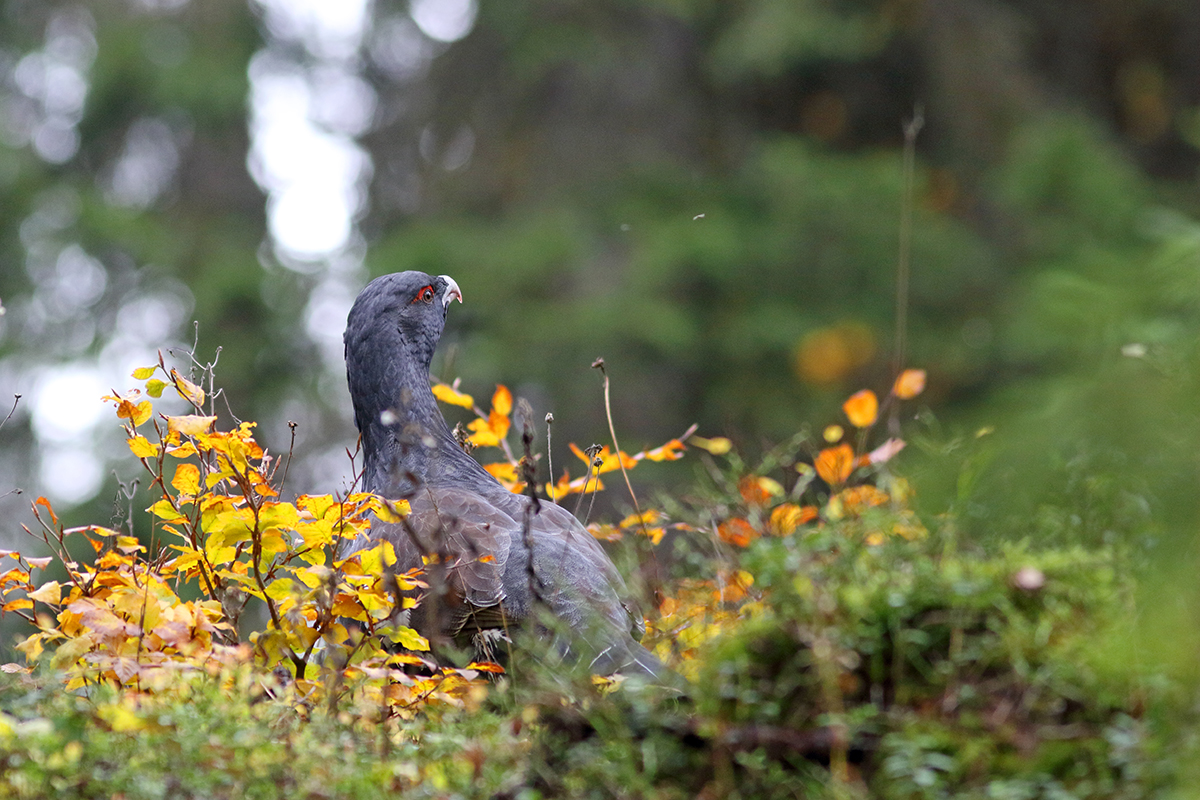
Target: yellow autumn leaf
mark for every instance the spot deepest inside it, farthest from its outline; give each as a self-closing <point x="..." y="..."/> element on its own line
<point x="409" y="639"/>
<point x="448" y="394"/>
<point x="49" y="592"/>
<point x="718" y="445"/>
<point x="142" y="447"/>
<point x="909" y="384"/>
<point x="143" y="372"/>
<point x="187" y="479"/>
<point x="165" y="511"/>
<point x="190" y="424"/>
<point x="862" y="408"/>
<point x="187" y="390"/>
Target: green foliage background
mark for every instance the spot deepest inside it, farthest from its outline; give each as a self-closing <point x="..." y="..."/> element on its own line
<point x="689" y="188"/>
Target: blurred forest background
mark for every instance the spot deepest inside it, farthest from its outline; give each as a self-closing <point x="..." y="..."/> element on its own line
<point x="706" y="193"/>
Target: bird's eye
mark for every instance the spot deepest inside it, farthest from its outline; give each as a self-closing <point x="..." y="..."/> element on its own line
<point x="425" y="295"/>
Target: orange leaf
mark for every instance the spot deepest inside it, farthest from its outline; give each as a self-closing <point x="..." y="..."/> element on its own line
<point x="41" y="501"/>
<point x="862" y="408"/>
<point x="857" y="498"/>
<point x="502" y="400"/>
<point x="788" y="516"/>
<point x="671" y="451"/>
<point x="485" y="666"/>
<point x="909" y="384"/>
<point x="834" y="464"/>
<point x="737" y="531"/>
<point x="758" y="491"/>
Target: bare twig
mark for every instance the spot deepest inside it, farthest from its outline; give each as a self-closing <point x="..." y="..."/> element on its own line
<point x="904" y="258"/>
<point x="11" y="411"/>
<point x="550" y="455"/>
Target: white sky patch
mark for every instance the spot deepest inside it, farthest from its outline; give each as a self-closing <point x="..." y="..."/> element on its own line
<point x="329" y="29"/>
<point x="70" y="475"/>
<point x="66" y="403"/>
<point x="444" y="20"/>
<point x="304" y="118"/>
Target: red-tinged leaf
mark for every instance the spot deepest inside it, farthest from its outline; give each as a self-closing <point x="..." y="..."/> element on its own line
<point x="862" y="408"/>
<point x="909" y="384"/>
<point x="41" y="501"/>
<point x="486" y="666"/>
<point x="142" y="373"/>
<point x="450" y="395"/>
<point x="41" y="562"/>
<point x="142" y="447"/>
<point x="187" y="390"/>
<point x="885" y="451"/>
<point x="502" y="400"/>
<point x="834" y="464"/>
<point x="190" y="424"/>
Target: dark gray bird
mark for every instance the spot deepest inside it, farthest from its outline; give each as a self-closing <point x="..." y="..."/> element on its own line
<point x="499" y="554"/>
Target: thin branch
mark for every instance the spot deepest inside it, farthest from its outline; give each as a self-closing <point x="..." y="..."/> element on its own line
<point x="11" y="411"/>
<point x="904" y="258"/>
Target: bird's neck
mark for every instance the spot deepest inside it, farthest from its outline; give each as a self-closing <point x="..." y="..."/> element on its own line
<point x="402" y="428"/>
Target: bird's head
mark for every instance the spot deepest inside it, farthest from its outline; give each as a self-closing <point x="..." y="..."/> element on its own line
<point x="412" y="305"/>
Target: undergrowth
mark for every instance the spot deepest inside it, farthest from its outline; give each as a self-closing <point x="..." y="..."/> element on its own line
<point x="835" y="643"/>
